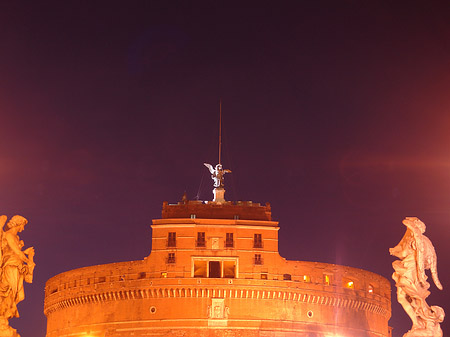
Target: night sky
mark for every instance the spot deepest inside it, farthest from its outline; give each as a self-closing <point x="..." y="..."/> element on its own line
<point x="337" y="113"/>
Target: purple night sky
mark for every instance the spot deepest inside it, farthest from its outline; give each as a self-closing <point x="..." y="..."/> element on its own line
<point x="335" y="112"/>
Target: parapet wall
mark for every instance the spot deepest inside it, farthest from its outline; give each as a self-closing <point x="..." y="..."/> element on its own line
<point x="245" y="210"/>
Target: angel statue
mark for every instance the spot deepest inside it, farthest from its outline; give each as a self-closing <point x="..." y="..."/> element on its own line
<point x="417" y="254"/>
<point x="16" y="266"/>
<point x="217" y="174"/>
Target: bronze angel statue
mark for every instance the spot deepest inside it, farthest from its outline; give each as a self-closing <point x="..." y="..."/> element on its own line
<point x="417" y="254"/>
<point x="16" y="267"/>
<point x="217" y="174"/>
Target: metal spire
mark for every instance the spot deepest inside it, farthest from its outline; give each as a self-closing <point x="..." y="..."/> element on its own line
<point x="220" y="129"/>
<point x="217" y="172"/>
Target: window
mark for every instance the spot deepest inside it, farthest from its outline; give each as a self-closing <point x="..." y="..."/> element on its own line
<point x="264" y="276"/>
<point x="229" y="269"/>
<point x="326" y="279"/>
<point x="201" y="239"/>
<point x="163" y="274"/>
<point x="258" y="259"/>
<point x="370" y="289"/>
<point x="348" y="283"/>
<point x="229" y="242"/>
<point x="200" y="269"/>
<point x="171" y="258"/>
<point x="287" y="277"/>
<point x="306" y="278"/>
<point x="172" y="239"/>
<point x="142" y="275"/>
<point x="214" y="268"/>
<point x="257" y="241"/>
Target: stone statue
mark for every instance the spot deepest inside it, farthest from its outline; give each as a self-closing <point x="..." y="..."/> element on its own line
<point x="417" y="254"/>
<point x="16" y="266"/>
<point x="217" y="174"/>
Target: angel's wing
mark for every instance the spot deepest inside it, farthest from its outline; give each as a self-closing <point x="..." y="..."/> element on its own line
<point x="210" y="167"/>
<point x="2" y="223"/>
<point x="420" y="252"/>
<point x="417" y="245"/>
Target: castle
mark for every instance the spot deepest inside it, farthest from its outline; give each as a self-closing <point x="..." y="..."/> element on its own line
<point x="215" y="271"/>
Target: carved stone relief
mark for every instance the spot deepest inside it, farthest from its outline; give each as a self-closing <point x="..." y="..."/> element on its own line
<point x="217" y="309"/>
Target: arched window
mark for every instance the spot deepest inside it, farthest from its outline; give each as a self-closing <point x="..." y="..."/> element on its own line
<point x="348" y="283"/>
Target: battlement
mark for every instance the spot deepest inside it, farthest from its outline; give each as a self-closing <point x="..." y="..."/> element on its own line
<point x="244" y="210"/>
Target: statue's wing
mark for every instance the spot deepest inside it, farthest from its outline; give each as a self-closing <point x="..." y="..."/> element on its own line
<point x="210" y="167"/>
<point x="2" y="221"/>
<point x="418" y="246"/>
<point x="420" y="258"/>
<point x="227" y="171"/>
<point x="2" y="224"/>
<point x="432" y="258"/>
